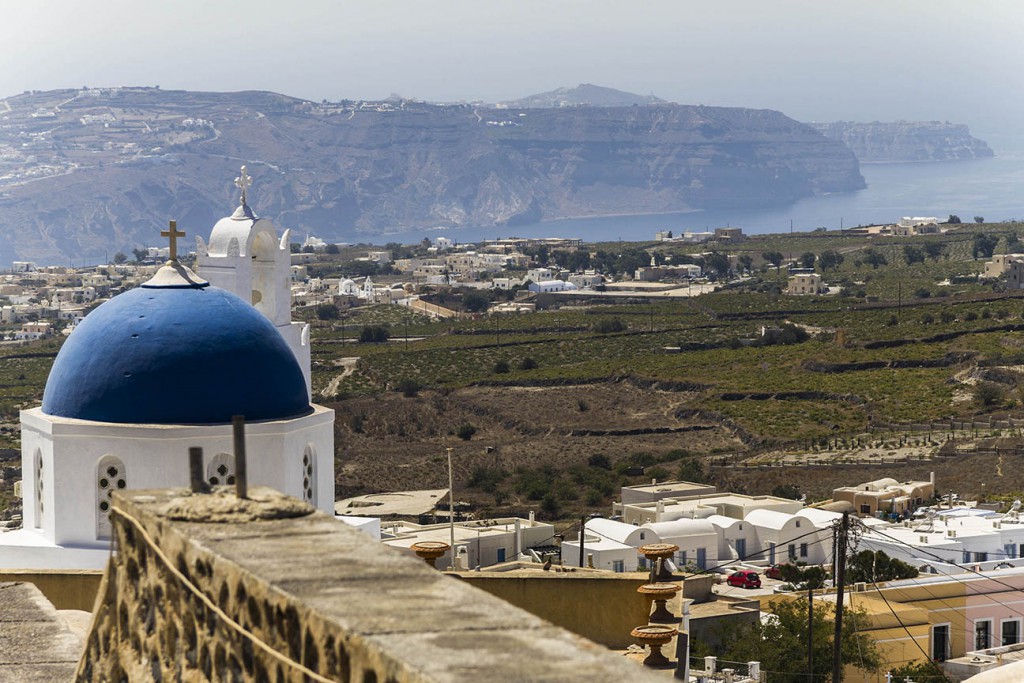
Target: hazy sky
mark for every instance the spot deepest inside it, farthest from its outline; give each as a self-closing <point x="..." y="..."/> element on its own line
<point x="815" y="60"/>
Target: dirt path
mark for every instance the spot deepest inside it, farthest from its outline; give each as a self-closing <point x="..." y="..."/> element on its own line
<point x="349" y="365"/>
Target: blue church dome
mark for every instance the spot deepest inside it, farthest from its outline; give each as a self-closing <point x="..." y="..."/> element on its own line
<point x="175" y="351"/>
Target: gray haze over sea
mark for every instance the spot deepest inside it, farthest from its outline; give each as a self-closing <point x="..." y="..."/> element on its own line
<point x="992" y="188"/>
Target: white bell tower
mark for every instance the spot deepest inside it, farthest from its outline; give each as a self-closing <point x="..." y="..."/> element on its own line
<point x="245" y="257"/>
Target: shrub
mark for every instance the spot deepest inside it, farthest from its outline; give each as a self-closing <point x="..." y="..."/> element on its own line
<point x="374" y="334"/>
<point x="327" y="312"/>
<point x="791" y="491"/>
<point x="356" y="423"/>
<point x="527" y="364"/>
<point x="692" y="470"/>
<point x="927" y="319"/>
<point x="600" y="460"/>
<point x="501" y="367"/>
<point x="465" y="431"/>
<point x="474" y="302"/>
<point x="409" y="387"/>
<point x="988" y="393"/>
<point x="970" y="316"/>
<point x="609" y="325"/>
<point x="550" y="506"/>
<point x="582" y="405"/>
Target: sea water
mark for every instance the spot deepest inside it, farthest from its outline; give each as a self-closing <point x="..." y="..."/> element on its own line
<point x="991" y="188"/>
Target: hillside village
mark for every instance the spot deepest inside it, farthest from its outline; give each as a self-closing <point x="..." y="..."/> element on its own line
<point x="735" y="552"/>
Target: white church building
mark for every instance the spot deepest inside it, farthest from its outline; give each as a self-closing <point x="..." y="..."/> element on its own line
<point x="162" y="368"/>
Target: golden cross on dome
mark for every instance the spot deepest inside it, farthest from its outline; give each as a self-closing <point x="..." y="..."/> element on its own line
<point x="243" y="182"/>
<point x="173" y="233"/>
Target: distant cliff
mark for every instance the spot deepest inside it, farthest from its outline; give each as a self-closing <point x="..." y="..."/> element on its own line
<point x="584" y="94"/>
<point x="903" y="141"/>
<point x="85" y="173"/>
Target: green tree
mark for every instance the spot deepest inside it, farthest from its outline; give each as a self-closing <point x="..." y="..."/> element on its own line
<point x="465" y="431"/>
<point x="780" y="644"/>
<point x="874" y="258"/>
<point x="718" y="262"/>
<point x="984" y="245"/>
<point x="691" y="469"/>
<point x="935" y="250"/>
<point x="830" y="259"/>
<point x="988" y="394"/>
<point x="332" y="249"/>
<point x="120" y="258"/>
<point x="979" y="219"/>
<point x="140" y="255"/>
<point x="791" y="491"/>
<point x="550" y="506"/>
<point x="807" y="259"/>
<point x="773" y="257"/>
<point x="327" y="312"/>
<point x="475" y="302"/>
<point x="873" y="567"/>
<point x="374" y="334"/>
<point x="746" y="262"/>
<point x="953" y="219"/>
<point x="408" y="387"/>
<point x="912" y="254"/>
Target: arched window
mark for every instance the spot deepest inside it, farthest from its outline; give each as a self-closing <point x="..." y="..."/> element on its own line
<point x="110" y="476"/>
<point x="309" y="475"/>
<point x="221" y="470"/>
<point x="37" y="466"/>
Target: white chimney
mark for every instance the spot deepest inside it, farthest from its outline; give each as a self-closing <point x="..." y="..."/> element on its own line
<point x="533" y="517"/>
<point x="931" y="478"/>
<point x="654" y="481"/>
<point x="519" y="539"/>
<point x="461" y="558"/>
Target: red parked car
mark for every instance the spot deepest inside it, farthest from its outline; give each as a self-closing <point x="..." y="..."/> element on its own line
<point x="774" y="571"/>
<point x="744" y="580"/>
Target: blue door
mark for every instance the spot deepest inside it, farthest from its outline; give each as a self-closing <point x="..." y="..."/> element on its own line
<point x="741" y="548"/>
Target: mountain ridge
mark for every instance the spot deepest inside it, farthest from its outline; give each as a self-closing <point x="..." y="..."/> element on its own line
<point x="85" y="173"/>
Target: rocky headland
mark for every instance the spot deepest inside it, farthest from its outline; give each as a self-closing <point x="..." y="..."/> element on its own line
<point x="906" y="141"/>
<point x="85" y="173"/>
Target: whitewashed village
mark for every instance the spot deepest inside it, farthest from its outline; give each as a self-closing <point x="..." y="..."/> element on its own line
<point x="702" y="558"/>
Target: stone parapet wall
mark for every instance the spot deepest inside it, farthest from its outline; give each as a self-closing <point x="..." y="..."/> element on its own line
<point x="207" y="588"/>
<point x="64" y="588"/>
<point x="600" y="606"/>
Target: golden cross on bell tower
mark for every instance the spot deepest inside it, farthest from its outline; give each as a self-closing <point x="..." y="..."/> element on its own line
<point x="173" y="234"/>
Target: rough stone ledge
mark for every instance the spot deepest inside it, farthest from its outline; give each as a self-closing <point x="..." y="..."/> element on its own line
<point x="318" y="592"/>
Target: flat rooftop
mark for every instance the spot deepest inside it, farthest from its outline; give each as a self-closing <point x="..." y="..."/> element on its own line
<point x="403" y="503"/>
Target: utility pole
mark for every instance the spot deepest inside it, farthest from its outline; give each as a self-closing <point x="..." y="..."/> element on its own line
<point x="583" y="525"/>
<point x="810" y="633"/>
<point x="841" y="538"/>
<point x="451" y="505"/>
